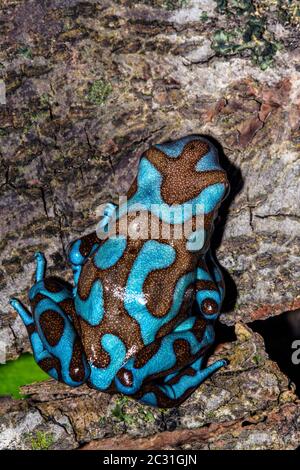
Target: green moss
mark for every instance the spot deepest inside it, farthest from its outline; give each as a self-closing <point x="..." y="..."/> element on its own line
<point x="166" y="4"/>
<point x="238" y="7"/>
<point x="41" y="440"/>
<point x="45" y="100"/>
<point x="146" y="415"/>
<point x="252" y="37"/>
<point x="119" y="412"/>
<point x="142" y="413"/>
<point x="25" y="51"/>
<point x="99" y="92"/>
<point x="22" y="371"/>
<point x="204" y="16"/>
<point x="175" y="4"/>
<point x="257" y="359"/>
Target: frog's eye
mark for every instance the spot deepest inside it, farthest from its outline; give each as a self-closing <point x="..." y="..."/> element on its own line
<point x="209" y="307"/>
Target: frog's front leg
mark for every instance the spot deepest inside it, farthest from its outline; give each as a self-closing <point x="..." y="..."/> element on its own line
<point x="55" y="343"/>
<point x="82" y="248"/>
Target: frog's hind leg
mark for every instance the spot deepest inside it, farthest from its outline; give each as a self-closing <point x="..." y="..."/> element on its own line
<point x="177" y="387"/>
<point x="55" y="343"/>
<point x="209" y="288"/>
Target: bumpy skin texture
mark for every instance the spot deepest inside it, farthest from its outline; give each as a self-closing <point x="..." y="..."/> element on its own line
<point x="140" y="317"/>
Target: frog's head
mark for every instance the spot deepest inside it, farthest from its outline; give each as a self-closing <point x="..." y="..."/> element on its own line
<point x="179" y="172"/>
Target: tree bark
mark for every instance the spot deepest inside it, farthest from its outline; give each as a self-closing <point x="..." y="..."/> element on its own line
<point x="91" y="85"/>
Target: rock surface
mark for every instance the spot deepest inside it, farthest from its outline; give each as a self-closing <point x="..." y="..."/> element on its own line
<point x="89" y="86"/>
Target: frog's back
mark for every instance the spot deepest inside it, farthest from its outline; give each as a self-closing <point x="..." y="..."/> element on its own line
<point x="134" y="289"/>
<point x="130" y="293"/>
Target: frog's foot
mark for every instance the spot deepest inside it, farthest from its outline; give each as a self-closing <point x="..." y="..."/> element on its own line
<point x="167" y="355"/>
<point x="55" y="343"/>
<point x="177" y="387"/>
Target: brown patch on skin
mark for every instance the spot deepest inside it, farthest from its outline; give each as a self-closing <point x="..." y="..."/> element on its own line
<point x="181" y="182"/>
<point x="182" y="351"/>
<point x="87" y="243"/>
<point x="37" y="298"/>
<point x="68" y="307"/>
<point x="52" y="284"/>
<point x="51" y="363"/>
<point x="206" y="285"/>
<point x="186" y="305"/>
<point x="52" y="325"/>
<point x="189" y="372"/>
<point x="163" y="401"/>
<point x="158" y="291"/>
<point x="146" y="354"/>
<point x="76" y="370"/>
<point x="125" y="376"/>
<point x="133" y="189"/>
<point x="199" y="328"/>
<point x="31" y="329"/>
<point x="116" y="320"/>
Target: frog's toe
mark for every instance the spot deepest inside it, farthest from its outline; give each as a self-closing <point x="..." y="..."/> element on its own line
<point x="40" y="266"/>
<point x="178" y="386"/>
<point x="22" y="311"/>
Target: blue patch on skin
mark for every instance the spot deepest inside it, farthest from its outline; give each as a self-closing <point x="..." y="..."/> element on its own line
<point x="149" y="194"/>
<point x="53" y="373"/>
<point x="148" y="323"/>
<point x="185" y="325"/>
<point x="174" y="149"/>
<point x="196" y="240"/>
<point x="153" y="255"/>
<point x="91" y="309"/>
<point x="110" y="252"/>
<point x="75" y="257"/>
<point x="102" y="378"/>
<point x="149" y="399"/>
<point x="39" y="288"/>
<point x="203" y="275"/>
<point x="186" y="382"/>
<point x="208" y="162"/>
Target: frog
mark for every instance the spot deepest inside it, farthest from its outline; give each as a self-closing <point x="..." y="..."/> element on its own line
<point x="139" y="319"/>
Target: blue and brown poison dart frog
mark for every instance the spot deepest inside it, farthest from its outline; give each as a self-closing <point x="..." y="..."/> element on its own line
<point x="140" y="317"/>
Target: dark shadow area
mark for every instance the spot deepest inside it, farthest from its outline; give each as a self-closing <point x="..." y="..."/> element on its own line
<point x="279" y="333"/>
<point x="224" y="333"/>
<point x="236" y="182"/>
